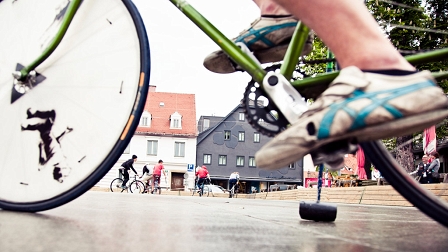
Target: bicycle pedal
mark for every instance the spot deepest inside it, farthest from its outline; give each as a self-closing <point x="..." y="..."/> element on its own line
<point x="333" y="154"/>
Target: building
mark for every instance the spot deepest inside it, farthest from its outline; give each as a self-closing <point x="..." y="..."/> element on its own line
<point x="230" y="146"/>
<point x="167" y="131"/>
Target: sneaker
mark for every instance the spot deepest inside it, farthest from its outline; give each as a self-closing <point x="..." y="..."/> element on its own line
<point x="359" y="106"/>
<point x="124" y="187"/>
<point x="268" y="38"/>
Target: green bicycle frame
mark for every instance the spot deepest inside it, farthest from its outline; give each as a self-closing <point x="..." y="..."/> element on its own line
<point x="68" y="17"/>
<point x="292" y="55"/>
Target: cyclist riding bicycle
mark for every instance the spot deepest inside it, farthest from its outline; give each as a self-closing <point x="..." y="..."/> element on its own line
<point x="233" y="181"/>
<point x="156" y="174"/>
<point x="147" y="176"/>
<point x="201" y="175"/>
<point x="126" y="166"/>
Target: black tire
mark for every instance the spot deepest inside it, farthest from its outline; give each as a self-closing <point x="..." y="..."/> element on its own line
<point x="409" y="188"/>
<point x="135" y="88"/>
<point x="207" y="191"/>
<point x="115" y="185"/>
<point x="137" y="187"/>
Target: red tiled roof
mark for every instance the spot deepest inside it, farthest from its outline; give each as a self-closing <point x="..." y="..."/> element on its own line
<point x="184" y="104"/>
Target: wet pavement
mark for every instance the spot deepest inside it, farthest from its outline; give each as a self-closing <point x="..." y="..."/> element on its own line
<point x="103" y="221"/>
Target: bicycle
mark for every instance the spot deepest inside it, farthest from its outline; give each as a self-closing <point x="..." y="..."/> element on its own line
<point x="156" y="185"/>
<point x="202" y="189"/>
<point x="234" y="190"/>
<point x="38" y="84"/>
<point x="134" y="185"/>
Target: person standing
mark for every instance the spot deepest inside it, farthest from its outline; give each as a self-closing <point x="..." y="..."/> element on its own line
<point x="126" y="167"/>
<point x="233" y="181"/>
<point x="433" y="168"/>
<point x="156" y="174"/>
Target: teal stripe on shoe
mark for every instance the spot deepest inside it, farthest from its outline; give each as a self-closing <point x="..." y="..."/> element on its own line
<point x="360" y="116"/>
<point x="260" y="34"/>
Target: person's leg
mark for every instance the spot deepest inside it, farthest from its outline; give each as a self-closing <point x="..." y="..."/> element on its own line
<point x="125" y="178"/>
<point x="369" y="100"/>
<point x="267" y="38"/>
<point x="353" y="34"/>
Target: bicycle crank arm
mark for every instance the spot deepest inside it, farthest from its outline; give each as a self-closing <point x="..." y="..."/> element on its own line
<point x="288" y="100"/>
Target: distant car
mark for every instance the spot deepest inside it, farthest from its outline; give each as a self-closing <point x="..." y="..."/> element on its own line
<point x="215" y="188"/>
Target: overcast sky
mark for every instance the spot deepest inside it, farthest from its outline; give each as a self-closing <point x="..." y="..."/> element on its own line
<point x="178" y="46"/>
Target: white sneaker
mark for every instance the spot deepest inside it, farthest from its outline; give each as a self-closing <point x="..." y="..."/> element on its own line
<point x="362" y="106"/>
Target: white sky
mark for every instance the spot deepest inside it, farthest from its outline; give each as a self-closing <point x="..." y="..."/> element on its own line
<point x="177" y="45"/>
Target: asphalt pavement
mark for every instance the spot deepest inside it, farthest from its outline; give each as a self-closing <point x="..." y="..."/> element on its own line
<point x="103" y="221"/>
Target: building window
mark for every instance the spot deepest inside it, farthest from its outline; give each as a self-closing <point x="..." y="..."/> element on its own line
<point x="151" y="147"/>
<point x="252" y="162"/>
<point x="239" y="161"/>
<point x="128" y="149"/>
<point x="292" y="166"/>
<point x="179" y="149"/>
<point x="256" y="137"/>
<point x="206" y="124"/>
<point x="241" y="136"/>
<point x="175" y="121"/>
<point x="207" y="158"/>
<point x="226" y="134"/>
<point x="241" y="116"/>
<point x="222" y="160"/>
<point x="145" y="119"/>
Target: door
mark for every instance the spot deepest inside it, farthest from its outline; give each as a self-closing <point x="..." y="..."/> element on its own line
<point x="177" y="181"/>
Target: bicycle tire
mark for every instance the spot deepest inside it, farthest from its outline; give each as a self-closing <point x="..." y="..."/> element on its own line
<point x="115" y="185"/>
<point x="95" y="89"/>
<point x="409" y="188"/>
<point x="137" y="187"/>
<point x="207" y="191"/>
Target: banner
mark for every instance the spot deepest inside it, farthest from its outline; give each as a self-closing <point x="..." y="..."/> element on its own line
<point x="429" y="140"/>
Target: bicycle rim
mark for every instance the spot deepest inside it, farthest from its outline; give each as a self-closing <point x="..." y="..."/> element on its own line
<point x="137" y="187"/>
<point x="115" y="185"/>
<point x="409" y="188"/>
<point x="91" y="94"/>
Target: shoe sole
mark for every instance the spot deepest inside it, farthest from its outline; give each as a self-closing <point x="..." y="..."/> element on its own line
<point x="393" y="128"/>
<point x="221" y="63"/>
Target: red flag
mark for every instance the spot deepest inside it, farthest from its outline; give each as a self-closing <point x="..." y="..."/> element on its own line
<point x="429" y="140"/>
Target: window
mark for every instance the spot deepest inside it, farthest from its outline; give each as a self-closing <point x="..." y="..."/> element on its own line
<point x="241" y="116"/>
<point x="226" y="134"/>
<point x="256" y="137"/>
<point x="222" y="160"/>
<point x="206" y="124"/>
<point x="145" y="119"/>
<point x="151" y="148"/>
<point x="239" y="161"/>
<point x="241" y="136"/>
<point x="128" y="149"/>
<point x="179" y="149"/>
<point x="292" y="166"/>
<point x="175" y="121"/>
<point x="252" y="162"/>
<point x="207" y="158"/>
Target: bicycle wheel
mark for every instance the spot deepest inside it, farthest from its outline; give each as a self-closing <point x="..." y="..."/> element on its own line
<point x="61" y="136"/>
<point x="410" y="189"/>
<point x="137" y="187"/>
<point x="115" y="185"/>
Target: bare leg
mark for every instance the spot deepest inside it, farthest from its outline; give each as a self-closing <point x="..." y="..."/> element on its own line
<point x="353" y="35"/>
<point x="270" y="7"/>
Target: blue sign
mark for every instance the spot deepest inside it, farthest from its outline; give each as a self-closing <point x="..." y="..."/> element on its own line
<point x="190" y="167"/>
